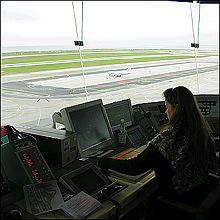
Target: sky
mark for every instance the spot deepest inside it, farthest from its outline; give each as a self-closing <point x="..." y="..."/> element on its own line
<point x="107" y="24"/>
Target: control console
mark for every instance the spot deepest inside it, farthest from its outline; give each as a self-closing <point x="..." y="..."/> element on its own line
<point x="22" y="161"/>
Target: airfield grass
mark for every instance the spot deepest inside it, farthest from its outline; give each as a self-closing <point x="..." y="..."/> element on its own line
<point x="71" y="58"/>
<point x="57" y="66"/>
<point x="56" y="57"/>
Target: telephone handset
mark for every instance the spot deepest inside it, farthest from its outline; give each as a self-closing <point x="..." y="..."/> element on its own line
<point x="7" y="130"/>
<point x="10" y="132"/>
<point x="13" y="134"/>
<point x="146" y="121"/>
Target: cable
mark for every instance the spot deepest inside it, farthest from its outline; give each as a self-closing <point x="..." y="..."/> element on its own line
<point x="195" y="49"/>
<point x="80" y="53"/>
<point x="192" y="22"/>
<point x="82" y="23"/>
<point x="199" y="22"/>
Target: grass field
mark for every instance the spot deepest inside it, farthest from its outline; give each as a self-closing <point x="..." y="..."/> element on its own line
<point x="56" y="57"/>
<point x="32" y="61"/>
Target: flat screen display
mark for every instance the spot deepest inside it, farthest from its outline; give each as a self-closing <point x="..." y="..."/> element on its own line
<point x="88" y="181"/>
<point x="90" y="125"/>
<point x="118" y="110"/>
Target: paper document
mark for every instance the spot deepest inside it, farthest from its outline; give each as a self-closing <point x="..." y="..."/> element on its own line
<point x="80" y="205"/>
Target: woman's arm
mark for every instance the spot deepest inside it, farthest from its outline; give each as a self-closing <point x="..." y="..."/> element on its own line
<point x="144" y="161"/>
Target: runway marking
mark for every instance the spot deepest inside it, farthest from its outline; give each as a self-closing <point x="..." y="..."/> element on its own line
<point x="17" y="109"/>
<point x="126" y="81"/>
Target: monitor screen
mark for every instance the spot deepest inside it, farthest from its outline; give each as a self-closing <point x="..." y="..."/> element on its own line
<point x="77" y="180"/>
<point x="118" y="110"/>
<point x="95" y="181"/>
<point x="91" y="124"/>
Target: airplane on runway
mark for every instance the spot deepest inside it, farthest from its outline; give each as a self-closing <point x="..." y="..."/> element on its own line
<point x="116" y="74"/>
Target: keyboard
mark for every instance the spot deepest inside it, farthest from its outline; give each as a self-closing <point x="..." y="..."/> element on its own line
<point x="39" y="197"/>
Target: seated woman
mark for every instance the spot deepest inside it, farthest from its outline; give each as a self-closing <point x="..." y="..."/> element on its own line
<point x="181" y="156"/>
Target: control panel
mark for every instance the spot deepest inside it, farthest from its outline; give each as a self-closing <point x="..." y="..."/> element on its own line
<point x="22" y="161"/>
<point x="136" y="136"/>
<point x="34" y="164"/>
<point x="209" y="105"/>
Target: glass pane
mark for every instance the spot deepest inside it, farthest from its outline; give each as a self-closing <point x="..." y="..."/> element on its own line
<point x="132" y="49"/>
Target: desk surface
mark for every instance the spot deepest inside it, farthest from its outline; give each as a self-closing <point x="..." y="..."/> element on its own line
<point x="119" y="204"/>
<point x="127" y="199"/>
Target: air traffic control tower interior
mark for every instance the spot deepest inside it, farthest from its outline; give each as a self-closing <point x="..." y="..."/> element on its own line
<point x="44" y="168"/>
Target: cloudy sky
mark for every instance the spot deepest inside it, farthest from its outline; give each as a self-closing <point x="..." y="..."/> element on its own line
<point x="107" y="24"/>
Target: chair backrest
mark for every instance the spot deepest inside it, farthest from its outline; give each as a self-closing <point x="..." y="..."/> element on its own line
<point x="211" y="199"/>
<point x="205" y="207"/>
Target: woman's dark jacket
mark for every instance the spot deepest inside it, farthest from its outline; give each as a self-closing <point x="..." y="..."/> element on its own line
<point x="171" y="159"/>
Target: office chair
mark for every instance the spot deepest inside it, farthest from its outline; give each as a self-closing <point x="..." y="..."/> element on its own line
<point x="205" y="208"/>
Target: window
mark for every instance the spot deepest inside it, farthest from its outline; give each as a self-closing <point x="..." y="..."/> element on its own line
<point x="137" y="53"/>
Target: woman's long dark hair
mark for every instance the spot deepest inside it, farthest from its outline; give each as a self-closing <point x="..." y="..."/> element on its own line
<point x="188" y="117"/>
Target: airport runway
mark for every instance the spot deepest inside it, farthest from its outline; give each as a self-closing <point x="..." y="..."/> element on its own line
<point x="38" y="96"/>
<point x="65" y="85"/>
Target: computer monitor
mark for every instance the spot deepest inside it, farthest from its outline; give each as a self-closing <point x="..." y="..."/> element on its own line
<point x="118" y="110"/>
<point x="90" y="122"/>
<point x="87" y="178"/>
